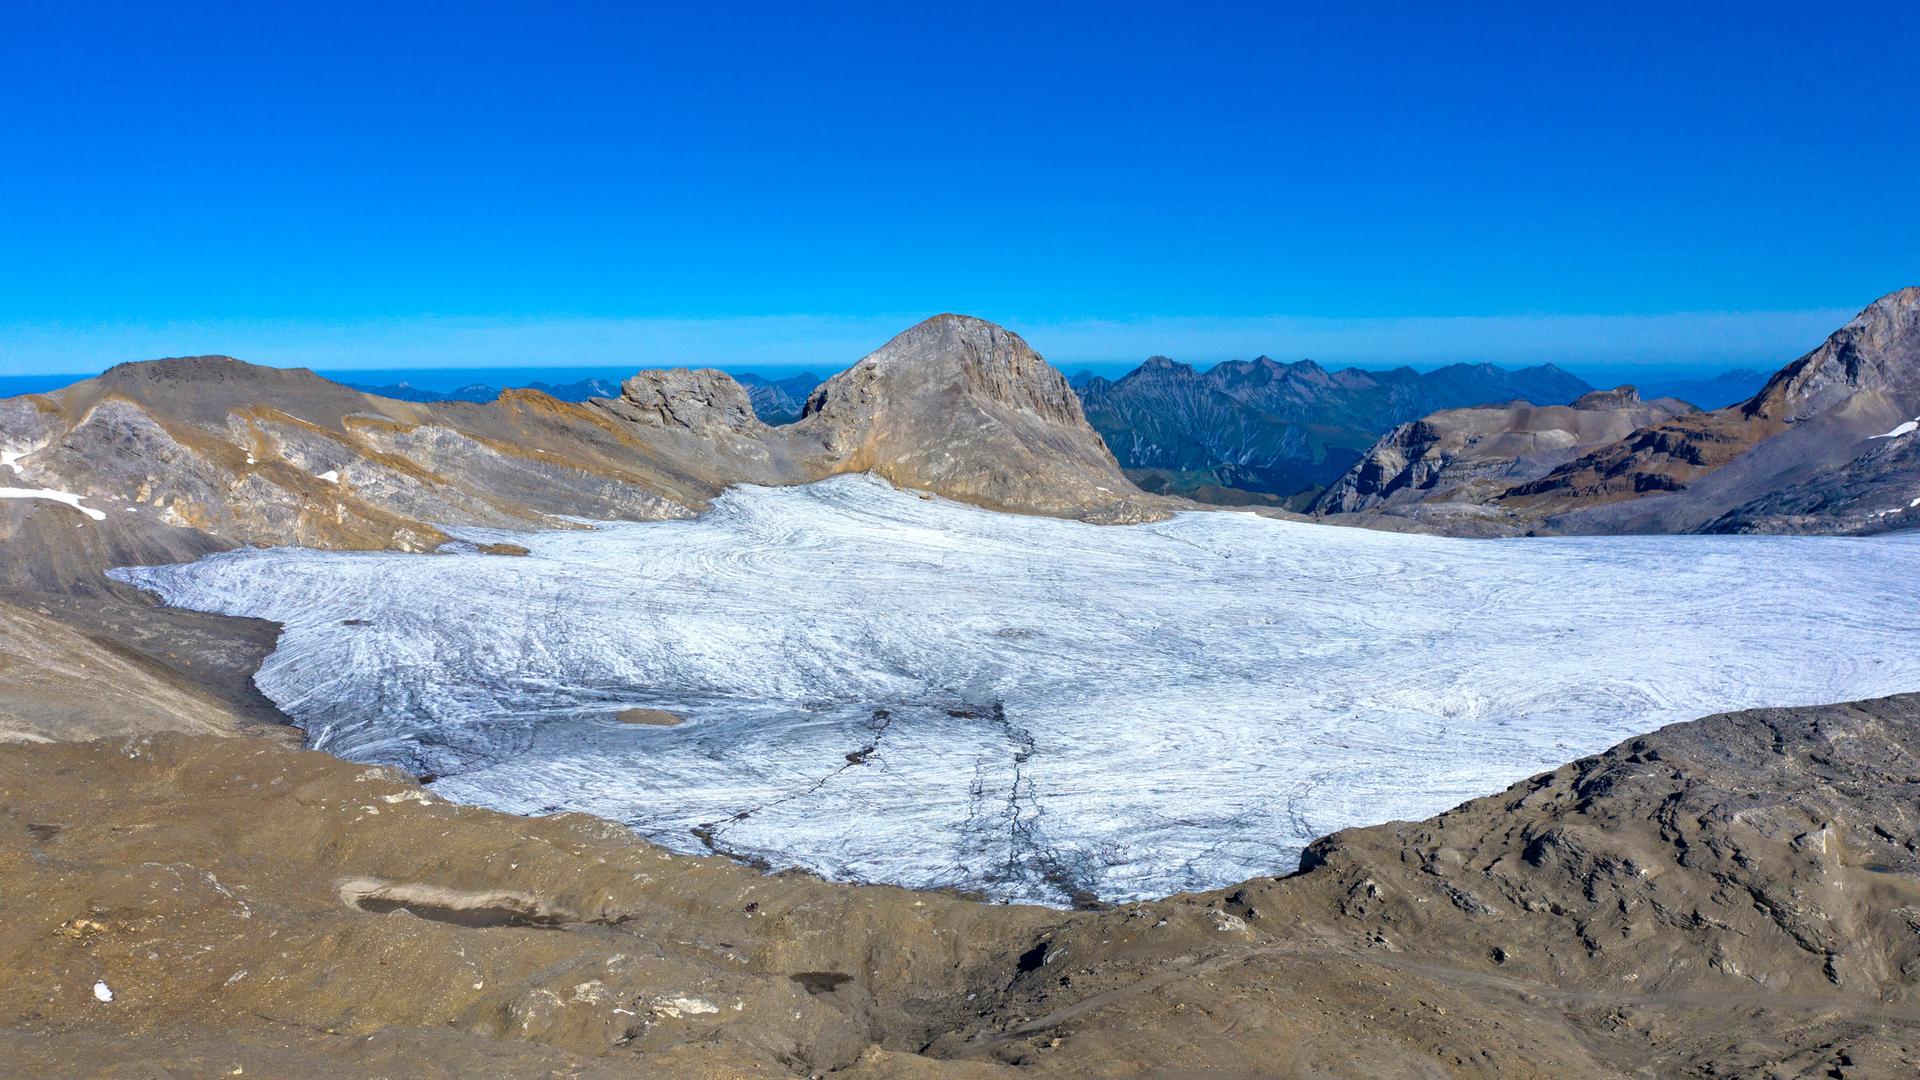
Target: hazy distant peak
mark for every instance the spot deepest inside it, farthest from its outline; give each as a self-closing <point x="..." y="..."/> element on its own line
<point x="1618" y="397"/>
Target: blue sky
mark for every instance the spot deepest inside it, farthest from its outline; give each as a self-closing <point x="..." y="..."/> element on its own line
<point x="411" y="185"/>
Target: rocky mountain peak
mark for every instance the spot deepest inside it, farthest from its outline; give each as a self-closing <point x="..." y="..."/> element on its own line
<point x="173" y="368"/>
<point x="702" y="401"/>
<point x="205" y="389"/>
<point x="957" y="352"/>
<point x="962" y="406"/>
<point x="1161" y="369"/>
<point x="1877" y="352"/>
<point x="1616" y="398"/>
<point x="949" y="338"/>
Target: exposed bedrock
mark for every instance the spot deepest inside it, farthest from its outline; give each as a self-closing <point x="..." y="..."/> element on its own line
<point x="1470" y="455"/>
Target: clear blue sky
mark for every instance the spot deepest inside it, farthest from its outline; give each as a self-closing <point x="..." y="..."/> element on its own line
<point x="404" y="185"/>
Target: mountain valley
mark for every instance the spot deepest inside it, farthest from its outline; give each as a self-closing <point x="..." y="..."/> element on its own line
<point x="929" y="631"/>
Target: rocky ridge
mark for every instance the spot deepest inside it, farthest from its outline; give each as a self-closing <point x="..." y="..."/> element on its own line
<point x="192" y="454"/>
<point x="1821" y="448"/>
<point x="1461" y="458"/>
<point x="1807" y="426"/>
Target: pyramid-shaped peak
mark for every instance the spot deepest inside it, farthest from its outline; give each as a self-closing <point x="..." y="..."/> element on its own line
<point x="1895" y="313"/>
<point x="959" y="405"/>
<point x="955" y="352"/>
<point x="946" y="332"/>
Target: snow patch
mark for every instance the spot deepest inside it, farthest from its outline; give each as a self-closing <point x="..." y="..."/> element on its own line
<point x="101" y="992"/>
<point x="331" y="476"/>
<point x="53" y="496"/>
<point x="1907" y="428"/>
<point x="679" y="1007"/>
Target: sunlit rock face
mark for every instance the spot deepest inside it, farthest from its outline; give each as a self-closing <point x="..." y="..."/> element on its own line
<point x="883" y="687"/>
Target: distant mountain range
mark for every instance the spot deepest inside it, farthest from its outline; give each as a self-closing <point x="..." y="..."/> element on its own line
<point x="481" y="393"/>
<point x="778" y="401"/>
<point x="1259" y="431"/>
<point x="1242" y="432"/>
<point x="775" y="401"/>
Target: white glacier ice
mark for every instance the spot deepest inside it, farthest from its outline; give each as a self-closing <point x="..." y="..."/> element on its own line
<point x="886" y="688"/>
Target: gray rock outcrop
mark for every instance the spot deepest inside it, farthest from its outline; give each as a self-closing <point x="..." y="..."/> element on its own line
<point x="1472" y="455"/>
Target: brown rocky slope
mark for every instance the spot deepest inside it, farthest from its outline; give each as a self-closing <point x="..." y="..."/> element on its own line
<point x="1458" y="459"/>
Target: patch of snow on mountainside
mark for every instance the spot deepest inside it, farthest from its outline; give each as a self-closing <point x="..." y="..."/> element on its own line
<point x="67" y="497"/>
<point x="882" y="687"/>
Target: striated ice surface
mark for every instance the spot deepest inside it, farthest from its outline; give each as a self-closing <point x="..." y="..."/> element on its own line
<point x="886" y="688"/>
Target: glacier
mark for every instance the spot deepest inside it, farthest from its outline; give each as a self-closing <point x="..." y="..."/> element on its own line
<point x="885" y="687"/>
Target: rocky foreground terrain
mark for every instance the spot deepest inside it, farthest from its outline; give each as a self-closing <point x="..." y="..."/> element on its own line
<point x="1737" y="896"/>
